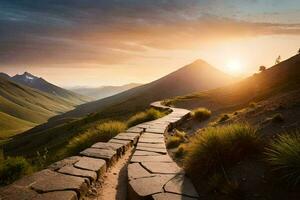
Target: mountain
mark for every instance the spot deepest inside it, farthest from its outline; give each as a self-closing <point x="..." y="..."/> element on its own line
<point x="281" y="78"/>
<point x="4" y="76"/>
<point x="197" y="76"/>
<point x="32" y="81"/>
<point x="56" y="133"/>
<point x="22" y="107"/>
<point x="104" y="91"/>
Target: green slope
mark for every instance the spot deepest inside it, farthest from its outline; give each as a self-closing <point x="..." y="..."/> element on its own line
<point x="28" y="105"/>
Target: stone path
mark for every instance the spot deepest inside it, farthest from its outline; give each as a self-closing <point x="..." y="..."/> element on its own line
<point x="152" y="174"/>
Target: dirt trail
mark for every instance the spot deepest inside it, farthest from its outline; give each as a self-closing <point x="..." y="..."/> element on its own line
<point x="114" y="184"/>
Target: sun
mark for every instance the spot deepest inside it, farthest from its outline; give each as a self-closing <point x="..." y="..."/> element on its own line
<point x="234" y="67"/>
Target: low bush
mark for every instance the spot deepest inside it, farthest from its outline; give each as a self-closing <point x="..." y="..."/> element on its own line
<point x="218" y="148"/>
<point x="283" y="155"/>
<point x="100" y="133"/>
<point x="278" y="118"/>
<point x="12" y="169"/>
<point x="150" y="114"/>
<point x="176" y="139"/>
<point x="224" y="118"/>
<point x="201" y="114"/>
<point x="181" y="151"/>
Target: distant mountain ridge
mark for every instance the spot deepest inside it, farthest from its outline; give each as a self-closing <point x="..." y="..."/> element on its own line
<point x="104" y="91"/>
<point x="32" y="81"/>
<point x="197" y="76"/>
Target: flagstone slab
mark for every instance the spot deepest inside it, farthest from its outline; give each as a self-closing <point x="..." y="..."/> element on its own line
<point x="170" y="196"/>
<point x="67" y="161"/>
<point x="135" y="170"/>
<point x="60" y="182"/>
<point x="61" y="195"/>
<point x="145" y="153"/>
<point x="143" y="188"/>
<point x="156" y="150"/>
<point x="110" y="156"/>
<point x="152" y="140"/>
<point x="92" y="164"/>
<point x="135" y="129"/>
<point x="180" y="184"/>
<point x="127" y="143"/>
<point x="162" y="158"/>
<point x="151" y="135"/>
<point x="131" y="137"/>
<point x="70" y="170"/>
<point x="162" y="168"/>
<point x="119" y="148"/>
<point x="14" y="192"/>
<point x="156" y="130"/>
<point x="150" y="145"/>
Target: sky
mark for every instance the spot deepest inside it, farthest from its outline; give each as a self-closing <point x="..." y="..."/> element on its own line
<point x="114" y="42"/>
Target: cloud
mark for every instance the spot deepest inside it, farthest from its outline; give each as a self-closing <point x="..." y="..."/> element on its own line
<point x="115" y="31"/>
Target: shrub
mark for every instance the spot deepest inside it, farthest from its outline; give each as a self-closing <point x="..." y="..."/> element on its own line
<point x="217" y="148"/>
<point x="224" y="118"/>
<point x="278" y="118"/>
<point x="12" y="169"/>
<point x="201" y="114"/>
<point x="283" y="155"/>
<point x="181" y="151"/>
<point x="252" y="105"/>
<point x="150" y="114"/>
<point x="176" y="139"/>
<point x="101" y="133"/>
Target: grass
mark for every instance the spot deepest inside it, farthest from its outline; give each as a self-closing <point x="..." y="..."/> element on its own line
<point x="148" y="115"/>
<point x="217" y="148"/>
<point x="101" y="133"/>
<point x="12" y="169"/>
<point x="283" y="155"/>
<point x="224" y="118"/>
<point x="176" y="139"/>
<point x="201" y="114"/>
<point x="278" y="118"/>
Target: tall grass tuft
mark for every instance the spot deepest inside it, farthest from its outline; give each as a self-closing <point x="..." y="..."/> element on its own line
<point x="176" y="139"/>
<point x="201" y="114"/>
<point x="283" y="155"/>
<point x="148" y="115"/>
<point x="218" y="148"/>
<point x="101" y="133"/>
<point x="12" y="169"/>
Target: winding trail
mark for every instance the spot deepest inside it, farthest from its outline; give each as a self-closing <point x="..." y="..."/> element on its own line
<point x="133" y="165"/>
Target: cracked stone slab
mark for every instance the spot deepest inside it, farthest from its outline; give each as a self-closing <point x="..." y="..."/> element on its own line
<point x="131" y="137"/>
<point x="28" y="180"/>
<point x="152" y="140"/>
<point x="162" y="168"/>
<point x="150" y="145"/>
<point x="151" y="135"/>
<point x="70" y="170"/>
<point x="67" y="161"/>
<point x="60" y="182"/>
<point x="61" y="195"/>
<point x="119" y="148"/>
<point x="135" y="171"/>
<point x="156" y="150"/>
<point x="169" y="196"/>
<point x="14" y="192"/>
<point x="162" y="158"/>
<point x="110" y="156"/>
<point x="92" y="164"/>
<point x="127" y="143"/>
<point x="143" y="188"/>
<point x="145" y="153"/>
<point x="180" y="184"/>
<point x="135" y="129"/>
<point x="156" y="130"/>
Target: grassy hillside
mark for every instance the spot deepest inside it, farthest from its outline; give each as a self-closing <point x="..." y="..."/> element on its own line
<point x="280" y="78"/>
<point x="27" y="106"/>
<point x="118" y="107"/>
<point x="40" y="84"/>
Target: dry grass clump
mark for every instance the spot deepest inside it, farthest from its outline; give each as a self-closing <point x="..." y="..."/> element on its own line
<point x="201" y="114"/>
<point x="283" y="155"/>
<point x="176" y="139"/>
<point x="148" y="115"/>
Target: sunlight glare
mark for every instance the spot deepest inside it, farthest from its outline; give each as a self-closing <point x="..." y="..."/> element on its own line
<point x="234" y="67"/>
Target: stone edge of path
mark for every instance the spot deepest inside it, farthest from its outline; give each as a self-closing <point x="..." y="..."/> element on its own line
<point x="152" y="174"/>
<point x="72" y="177"/>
